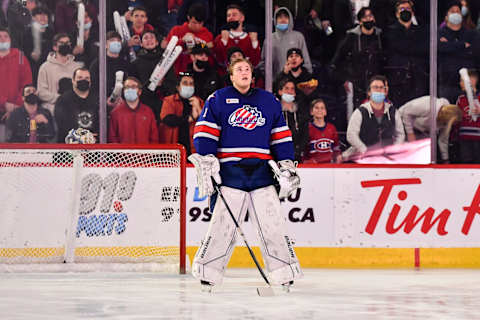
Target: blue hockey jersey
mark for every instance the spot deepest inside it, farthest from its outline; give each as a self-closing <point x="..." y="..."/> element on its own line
<point x="234" y="127"/>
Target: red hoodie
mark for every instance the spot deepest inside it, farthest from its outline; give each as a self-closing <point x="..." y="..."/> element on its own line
<point x="132" y="126"/>
<point x="15" y="73"/>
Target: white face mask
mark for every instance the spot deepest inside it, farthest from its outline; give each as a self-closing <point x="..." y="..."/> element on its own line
<point x="288" y="97"/>
<point x="186" y="92"/>
<point x="4" y="46"/>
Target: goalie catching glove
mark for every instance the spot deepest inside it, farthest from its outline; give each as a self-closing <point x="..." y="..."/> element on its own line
<point x="207" y="167"/>
<point x="286" y="174"/>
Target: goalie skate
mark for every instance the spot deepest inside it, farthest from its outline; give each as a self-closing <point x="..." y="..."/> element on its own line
<point x="286" y="286"/>
<point x="206" y="286"/>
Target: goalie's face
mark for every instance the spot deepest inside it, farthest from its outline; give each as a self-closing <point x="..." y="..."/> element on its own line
<point x="241" y="75"/>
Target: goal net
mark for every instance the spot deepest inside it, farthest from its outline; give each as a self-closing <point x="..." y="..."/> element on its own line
<point x="92" y="206"/>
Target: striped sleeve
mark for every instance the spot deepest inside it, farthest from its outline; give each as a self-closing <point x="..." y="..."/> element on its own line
<point x="207" y="129"/>
<point x="281" y="142"/>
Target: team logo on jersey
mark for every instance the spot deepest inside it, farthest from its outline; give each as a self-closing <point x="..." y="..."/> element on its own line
<point x="323" y="145"/>
<point x="247" y="117"/>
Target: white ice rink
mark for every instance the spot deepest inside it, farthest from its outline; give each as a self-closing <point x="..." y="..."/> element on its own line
<point x="322" y="294"/>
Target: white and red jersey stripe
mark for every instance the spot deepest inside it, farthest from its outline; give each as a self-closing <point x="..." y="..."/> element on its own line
<point x="207" y="129"/>
<point x="237" y="154"/>
<point x="280" y="135"/>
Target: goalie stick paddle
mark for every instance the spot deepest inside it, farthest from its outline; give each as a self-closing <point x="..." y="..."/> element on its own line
<point x="262" y="291"/>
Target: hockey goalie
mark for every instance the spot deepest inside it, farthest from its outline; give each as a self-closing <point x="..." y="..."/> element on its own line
<point x="239" y="131"/>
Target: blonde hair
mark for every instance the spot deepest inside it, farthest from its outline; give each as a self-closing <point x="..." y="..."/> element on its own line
<point x="230" y="67"/>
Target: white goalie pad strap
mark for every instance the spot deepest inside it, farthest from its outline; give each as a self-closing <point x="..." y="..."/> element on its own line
<point x="216" y="249"/>
<point x="206" y="167"/>
<point x="277" y="248"/>
<point x="286" y="174"/>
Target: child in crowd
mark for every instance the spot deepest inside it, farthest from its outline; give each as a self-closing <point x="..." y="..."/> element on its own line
<point x="323" y="144"/>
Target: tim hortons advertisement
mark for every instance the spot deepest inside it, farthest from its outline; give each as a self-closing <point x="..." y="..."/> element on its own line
<point x="370" y="207"/>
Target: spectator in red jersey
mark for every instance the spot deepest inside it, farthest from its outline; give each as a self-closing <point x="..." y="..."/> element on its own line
<point x="469" y="133"/>
<point x="132" y="122"/>
<point x="16" y="73"/>
<point x="179" y="114"/>
<point x="139" y="19"/>
<point x="233" y="34"/>
<point x="323" y="145"/>
<point x="190" y="34"/>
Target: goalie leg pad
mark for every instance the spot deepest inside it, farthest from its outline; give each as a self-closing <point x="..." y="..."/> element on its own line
<point x="213" y="255"/>
<point x="277" y="249"/>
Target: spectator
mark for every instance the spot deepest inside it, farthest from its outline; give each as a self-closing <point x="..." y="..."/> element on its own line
<point x="359" y="56"/>
<point x="295" y="115"/>
<point x="139" y="18"/>
<point x="234" y="34"/>
<point x="190" y="34"/>
<point x="31" y="122"/>
<point x="116" y="61"/>
<point x="455" y="51"/>
<point x="206" y="79"/>
<point x="77" y="108"/>
<point x="283" y="39"/>
<point x="376" y="123"/>
<point x="295" y="71"/>
<point x="416" y="116"/>
<point x="323" y="144"/>
<point x="179" y="114"/>
<point x="131" y="121"/>
<point x="407" y="55"/>
<point x="142" y="68"/>
<point x="19" y="18"/>
<point x="469" y="133"/>
<point x="60" y="64"/>
<point x="16" y="73"/>
<point x="467" y="21"/>
<point x="300" y="11"/>
<point x="89" y="51"/>
<point x="65" y="15"/>
<point x="37" y="52"/>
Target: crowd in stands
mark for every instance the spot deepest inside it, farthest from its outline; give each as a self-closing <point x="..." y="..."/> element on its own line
<point x="351" y="75"/>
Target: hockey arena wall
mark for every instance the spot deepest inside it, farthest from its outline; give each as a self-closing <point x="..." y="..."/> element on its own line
<point x="370" y="216"/>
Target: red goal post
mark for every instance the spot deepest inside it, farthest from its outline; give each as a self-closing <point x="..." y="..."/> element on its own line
<point x="87" y="207"/>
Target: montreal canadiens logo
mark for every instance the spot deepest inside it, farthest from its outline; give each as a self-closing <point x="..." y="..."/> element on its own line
<point x="247" y="117"/>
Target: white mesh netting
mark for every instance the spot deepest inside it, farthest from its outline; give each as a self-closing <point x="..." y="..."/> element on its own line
<point x="91" y="206"/>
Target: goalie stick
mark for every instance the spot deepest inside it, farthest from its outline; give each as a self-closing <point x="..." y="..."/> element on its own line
<point x="81" y="25"/>
<point x="122" y="28"/>
<point x="170" y="55"/>
<point x="262" y="291"/>
<point x="469" y="91"/>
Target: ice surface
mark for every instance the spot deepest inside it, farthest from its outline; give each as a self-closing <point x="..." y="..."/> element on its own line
<point x="322" y="294"/>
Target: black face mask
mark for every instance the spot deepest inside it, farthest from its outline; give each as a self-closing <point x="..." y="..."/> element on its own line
<point x="368" y="25"/>
<point x="32" y="99"/>
<point x="232" y="25"/>
<point x="201" y="64"/>
<point x="405" y="16"/>
<point x="83" y="85"/>
<point x="65" y="49"/>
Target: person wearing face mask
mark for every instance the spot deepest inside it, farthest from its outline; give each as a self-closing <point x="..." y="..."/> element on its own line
<point x="455" y="51"/>
<point x="295" y="115"/>
<point x="132" y="121"/>
<point x="77" y="108"/>
<point x="407" y="49"/>
<point x="359" y="56"/>
<point x="31" y="117"/>
<point x="38" y="54"/>
<point x="60" y="64"/>
<point x="179" y="113"/>
<point x="89" y="51"/>
<point x="117" y="60"/>
<point x="16" y="73"/>
<point x="374" y="124"/>
<point x="233" y="34"/>
<point x="65" y="14"/>
<point x="206" y="79"/>
<point x="142" y="68"/>
<point x="283" y="39"/>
